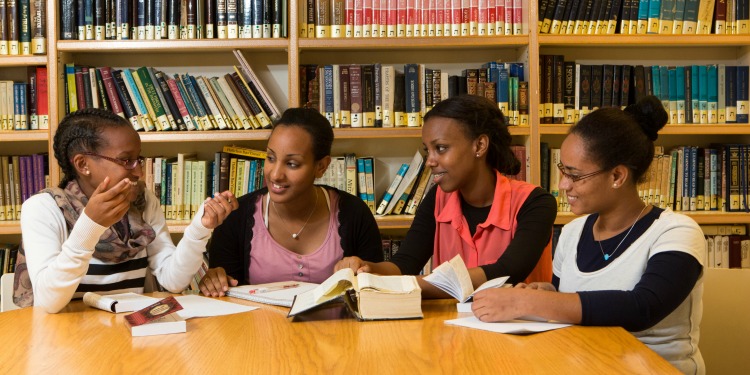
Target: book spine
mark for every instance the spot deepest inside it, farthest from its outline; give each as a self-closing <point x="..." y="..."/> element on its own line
<point x="175" y="115"/>
<point x="42" y="99"/>
<point x="355" y="87"/>
<point x="128" y="103"/>
<point x="392" y="189"/>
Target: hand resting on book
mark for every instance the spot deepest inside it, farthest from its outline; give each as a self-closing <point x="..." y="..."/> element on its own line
<point x="216" y="282"/>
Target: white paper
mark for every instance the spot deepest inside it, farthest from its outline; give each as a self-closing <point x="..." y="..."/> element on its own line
<point x="511" y="326"/>
<point x="196" y="306"/>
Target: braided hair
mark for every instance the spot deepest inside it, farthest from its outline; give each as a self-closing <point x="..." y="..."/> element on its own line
<point x="623" y="137"/>
<point x="78" y="132"/>
<point x="478" y="115"/>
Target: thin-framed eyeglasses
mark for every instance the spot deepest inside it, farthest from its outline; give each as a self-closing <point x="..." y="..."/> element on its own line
<point x="128" y="164"/>
<point x="576" y="178"/>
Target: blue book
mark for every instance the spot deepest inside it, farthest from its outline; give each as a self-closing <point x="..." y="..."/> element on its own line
<point x="742" y="95"/>
<point x="493" y="75"/>
<point x="140" y="105"/>
<point x="703" y="93"/>
<point x="730" y="94"/>
<point x="411" y="93"/>
<point x="369" y="178"/>
<point x="685" y="203"/>
<point x="503" y="92"/>
<point x="693" y="177"/>
<point x="392" y="189"/>
<point x="680" y="94"/>
<point x="643" y="8"/>
<point x="656" y="81"/>
<point x="695" y="93"/>
<point x="361" y="182"/>
<point x="672" y="103"/>
<point x="251" y="187"/>
<point x="328" y="93"/>
<point x="664" y="82"/>
<point x="123" y="21"/>
<point x="713" y="94"/>
<point x="198" y="100"/>
<point x="654" y="11"/>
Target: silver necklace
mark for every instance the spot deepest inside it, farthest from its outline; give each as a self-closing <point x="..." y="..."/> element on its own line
<point x="607" y="256"/>
<point x="296" y="235"/>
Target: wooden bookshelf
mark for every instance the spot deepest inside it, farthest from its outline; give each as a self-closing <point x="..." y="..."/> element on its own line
<point x="24" y="136"/>
<point x="25" y="60"/>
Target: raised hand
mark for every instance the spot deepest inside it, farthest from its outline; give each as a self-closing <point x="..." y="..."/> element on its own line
<point x="106" y="205"/>
<point x="217" y="209"/>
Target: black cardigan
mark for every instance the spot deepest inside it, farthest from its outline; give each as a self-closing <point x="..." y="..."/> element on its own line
<point x="230" y="243"/>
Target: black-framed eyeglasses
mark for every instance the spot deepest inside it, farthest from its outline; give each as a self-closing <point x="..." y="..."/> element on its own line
<point x="128" y="164"/>
<point x="576" y="178"/>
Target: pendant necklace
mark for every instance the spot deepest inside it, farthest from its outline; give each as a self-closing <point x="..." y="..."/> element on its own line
<point x="607" y="256"/>
<point x="296" y="235"/>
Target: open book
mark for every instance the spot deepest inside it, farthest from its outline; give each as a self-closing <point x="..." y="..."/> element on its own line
<point x="118" y="303"/>
<point x="453" y="278"/>
<point x="367" y="296"/>
<point x="280" y="293"/>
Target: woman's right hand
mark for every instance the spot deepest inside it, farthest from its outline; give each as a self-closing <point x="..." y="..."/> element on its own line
<point x="355" y="263"/>
<point x="216" y="282"/>
<point x="106" y="205"/>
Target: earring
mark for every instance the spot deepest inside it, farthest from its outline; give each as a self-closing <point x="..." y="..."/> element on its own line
<point x="87" y="172"/>
<point x="477" y="154"/>
<point x="614" y="185"/>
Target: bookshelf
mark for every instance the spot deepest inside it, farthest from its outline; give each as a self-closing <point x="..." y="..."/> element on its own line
<point x="277" y="62"/>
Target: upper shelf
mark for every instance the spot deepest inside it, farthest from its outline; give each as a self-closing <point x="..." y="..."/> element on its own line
<point x="25" y="60"/>
<point x="24" y="135"/>
<point x="681" y="129"/>
<point x="375" y="44"/>
<point x="173" y="46"/>
<point x="700" y="217"/>
<point x="262" y="135"/>
<point x="657" y="40"/>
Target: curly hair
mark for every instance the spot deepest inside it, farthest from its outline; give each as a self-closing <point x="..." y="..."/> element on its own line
<point x="623" y="137"/>
<point x="478" y="116"/>
<point x="78" y="132"/>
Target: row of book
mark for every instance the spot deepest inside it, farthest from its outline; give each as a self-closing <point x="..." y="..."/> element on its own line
<point x="409" y="18"/>
<point x="8" y="254"/>
<point x="20" y="177"/>
<point x="578" y="17"/>
<point x="694" y="94"/>
<point x="153" y="101"/>
<point x="25" y="106"/>
<point x="182" y="182"/>
<point x="727" y="246"/>
<point x="688" y="178"/>
<point x="23" y="27"/>
<point x="172" y="19"/>
<point x="375" y="95"/>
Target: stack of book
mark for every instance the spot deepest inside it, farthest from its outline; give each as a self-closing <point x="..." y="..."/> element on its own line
<point x="20" y="178"/>
<point x="375" y="95"/>
<point x="23" y="27"/>
<point x="727" y="246"/>
<point x="694" y="94"/>
<point x="413" y="18"/>
<point x="153" y="101"/>
<point x="24" y="105"/>
<point x="8" y="254"/>
<point x="579" y="17"/>
<point x="172" y="19"/>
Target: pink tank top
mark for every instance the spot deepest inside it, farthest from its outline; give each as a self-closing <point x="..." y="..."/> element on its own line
<point x="271" y="262"/>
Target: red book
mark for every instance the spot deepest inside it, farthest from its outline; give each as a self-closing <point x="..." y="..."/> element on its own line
<point x="181" y="103"/>
<point x="440" y="17"/>
<point x="42" y="97"/>
<point x="432" y="22"/>
<point x="392" y="19"/>
<point x="500" y="14"/>
<point x="491" y="16"/>
<point x="402" y="24"/>
<point x="367" y="7"/>
<point x="517" y="17"/>
<point x="109" y="87"/>
<point x="411" y="17"/>
<point x="424" y="18"/>
<point x="465" y="17"/>
<point x="359" y="15"/>
<point x="456" y="15"/>
<point x="474" y="17"/>
<point x="375" y="18"/>
<point x="349" y="18"/>
<point x="509" y="11"/>
<point x="383" y="20"/>
<point x="483" y="17"/>
<point x="80" y="97"/>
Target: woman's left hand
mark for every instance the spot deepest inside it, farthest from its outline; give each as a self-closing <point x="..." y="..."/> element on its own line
<point x="497" y="304"/>
<point x="216" y="209"/>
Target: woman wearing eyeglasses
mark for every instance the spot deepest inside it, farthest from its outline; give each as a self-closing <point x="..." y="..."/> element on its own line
<point x="499" y="226"/>
<point x="625" y="263"/>
<point x="100" y="230"/>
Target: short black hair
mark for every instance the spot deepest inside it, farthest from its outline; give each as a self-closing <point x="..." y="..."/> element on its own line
<point x="80" y="132"/>
<point x="314" y="124"/>
<point x="623" y="137"/>
<point x="479" y="115"/>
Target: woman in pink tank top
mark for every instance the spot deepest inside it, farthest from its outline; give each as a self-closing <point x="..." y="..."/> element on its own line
<point x="291" y="230"/>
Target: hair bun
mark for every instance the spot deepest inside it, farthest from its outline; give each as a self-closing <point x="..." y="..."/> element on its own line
<point x="649" y="113"/>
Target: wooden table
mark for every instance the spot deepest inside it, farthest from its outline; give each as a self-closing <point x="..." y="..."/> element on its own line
<point x="82" y="340"/>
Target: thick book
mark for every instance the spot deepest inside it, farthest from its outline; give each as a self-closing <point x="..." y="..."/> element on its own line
<point x="453" y="278"/>
<point x="118" y="303"/>
<point x="279" y="293"/>
<point x="366" y="296"/>
<point x="157" y="319"/>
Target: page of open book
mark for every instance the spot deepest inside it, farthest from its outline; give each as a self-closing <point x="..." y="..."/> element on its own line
<point x="453" y="278"/>
<point x="335" y="285"/>
<point x="388" y="284"/>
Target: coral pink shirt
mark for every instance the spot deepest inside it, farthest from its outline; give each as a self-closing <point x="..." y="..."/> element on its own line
<point x="452" y="235"/>
<point x="271" y="262"/>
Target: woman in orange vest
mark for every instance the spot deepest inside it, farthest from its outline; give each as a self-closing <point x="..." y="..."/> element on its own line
<point x="499" y="226"/>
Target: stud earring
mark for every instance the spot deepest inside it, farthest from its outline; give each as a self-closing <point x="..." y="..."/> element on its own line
<point x="477" y="154"/>
<point x="614" y="185"/>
